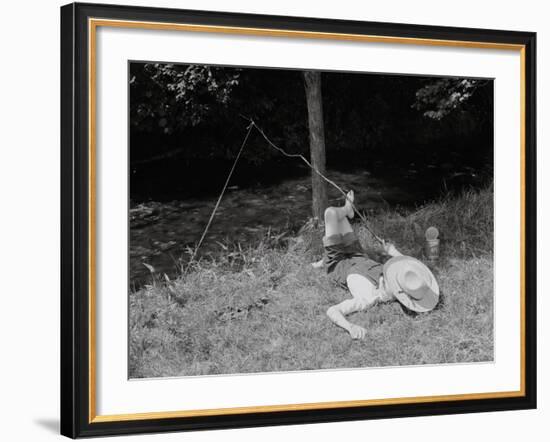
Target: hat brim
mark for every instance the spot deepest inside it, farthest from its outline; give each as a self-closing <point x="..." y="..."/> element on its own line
<point x="430" y="297"/>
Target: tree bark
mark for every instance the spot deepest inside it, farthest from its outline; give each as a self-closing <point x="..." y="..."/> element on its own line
<point x="312" y="81"/>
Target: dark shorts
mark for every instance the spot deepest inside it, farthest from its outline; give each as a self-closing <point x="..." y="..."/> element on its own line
<point x="345" y="256"/>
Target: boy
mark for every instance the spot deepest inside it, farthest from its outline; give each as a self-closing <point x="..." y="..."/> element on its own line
<point x="402" y="278"/>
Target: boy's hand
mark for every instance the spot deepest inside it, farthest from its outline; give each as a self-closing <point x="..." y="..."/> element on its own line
<point x="389" y="248"/>
<point x="357" y="332"/>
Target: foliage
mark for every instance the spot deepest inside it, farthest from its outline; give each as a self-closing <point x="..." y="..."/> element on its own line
<point x="176" y="96"/>
<point x="440" y="97"/>
<point x="196" y="112"/>
<point x="466" y="225"/>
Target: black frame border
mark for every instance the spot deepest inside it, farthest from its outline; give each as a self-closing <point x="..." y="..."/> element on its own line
<point x="75" y="220"/>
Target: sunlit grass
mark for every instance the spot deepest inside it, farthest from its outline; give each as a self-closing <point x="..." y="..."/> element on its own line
<point x="262" y="308"/>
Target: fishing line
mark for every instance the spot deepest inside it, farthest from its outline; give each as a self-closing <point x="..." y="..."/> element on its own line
<point x="250" y="126"/>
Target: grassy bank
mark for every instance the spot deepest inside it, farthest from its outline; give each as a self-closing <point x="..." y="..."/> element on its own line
<point x="263" y="308"/>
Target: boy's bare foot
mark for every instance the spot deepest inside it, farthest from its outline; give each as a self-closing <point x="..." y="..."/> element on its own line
<point x="349" y="204"/>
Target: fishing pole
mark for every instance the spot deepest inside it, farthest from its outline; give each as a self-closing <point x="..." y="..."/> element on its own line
<point x="252" y="125"/>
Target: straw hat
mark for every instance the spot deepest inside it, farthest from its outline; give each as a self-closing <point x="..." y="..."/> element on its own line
<point x="412" y="283"/>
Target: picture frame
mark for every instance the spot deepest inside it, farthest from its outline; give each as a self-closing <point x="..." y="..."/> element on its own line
<point x="79" y="240"/>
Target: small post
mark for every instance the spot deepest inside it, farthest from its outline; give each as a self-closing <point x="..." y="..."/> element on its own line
<point x="431" y="248"/>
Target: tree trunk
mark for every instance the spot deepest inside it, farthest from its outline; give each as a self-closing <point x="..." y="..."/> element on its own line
<point x="312" y="81"/>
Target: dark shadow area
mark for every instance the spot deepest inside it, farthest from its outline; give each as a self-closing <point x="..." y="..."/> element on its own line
<point x="187" y="122"/>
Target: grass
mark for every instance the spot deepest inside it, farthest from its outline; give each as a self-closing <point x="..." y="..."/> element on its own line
<point x="262" y="308"/>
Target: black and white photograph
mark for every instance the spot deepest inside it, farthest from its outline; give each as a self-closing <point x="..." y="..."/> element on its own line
<point x="285" y="220"/>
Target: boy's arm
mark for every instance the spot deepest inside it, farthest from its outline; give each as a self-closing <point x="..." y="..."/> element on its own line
<point x="336" y="314"/>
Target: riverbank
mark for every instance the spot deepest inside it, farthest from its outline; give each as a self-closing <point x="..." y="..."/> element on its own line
<point x="262" y="307"/>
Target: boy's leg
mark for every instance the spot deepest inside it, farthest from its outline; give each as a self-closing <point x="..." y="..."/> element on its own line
<point x="336" y="221"/>
<point x="345" y="226"/>
<point x="336" y="218"/>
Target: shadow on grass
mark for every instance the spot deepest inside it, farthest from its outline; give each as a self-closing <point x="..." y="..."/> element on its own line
<point x="412" y="314"/>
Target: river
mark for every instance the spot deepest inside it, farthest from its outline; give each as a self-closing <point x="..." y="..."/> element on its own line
<point x="163" y="234"/>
